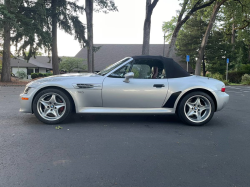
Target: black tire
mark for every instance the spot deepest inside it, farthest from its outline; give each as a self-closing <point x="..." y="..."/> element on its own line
<point x="208" y="113"/>
<point x="59" y="93"/>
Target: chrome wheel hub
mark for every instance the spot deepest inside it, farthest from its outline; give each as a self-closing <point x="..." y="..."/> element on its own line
<point x="51" y="106"/>
<point x="197" y="108"/>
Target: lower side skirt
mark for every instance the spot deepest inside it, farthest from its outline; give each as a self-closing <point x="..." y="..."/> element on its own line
<point x="127" y="110"/>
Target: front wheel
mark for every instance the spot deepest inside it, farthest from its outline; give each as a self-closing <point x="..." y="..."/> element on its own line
<point x="52" y="106"/>
<point x="196" y="108"/>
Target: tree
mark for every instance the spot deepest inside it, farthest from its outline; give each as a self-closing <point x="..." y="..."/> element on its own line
<point x="147" y="25"/>
<point x="89" y="15"/>
<point x="21" y="18"/>
<point x="188" y="12"/>
<point x="101" y="5"/>
<point x="70" y="64"/>
<point x="6" y="74"/>
<point x="190" y="36"/>
<point x="63" y="13"/>
<point x="205" y="38"/>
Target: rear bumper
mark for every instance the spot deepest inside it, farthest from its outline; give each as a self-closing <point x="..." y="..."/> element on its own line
<point x="222" y="99"/>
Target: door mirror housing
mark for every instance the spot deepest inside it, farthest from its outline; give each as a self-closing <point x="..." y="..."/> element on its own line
<point x="128" y="76"/>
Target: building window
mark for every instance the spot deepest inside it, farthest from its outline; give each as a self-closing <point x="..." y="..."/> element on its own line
<point x="29" y="71"/>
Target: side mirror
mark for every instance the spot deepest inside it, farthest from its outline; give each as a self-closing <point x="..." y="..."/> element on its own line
<point x="128" y="76"/>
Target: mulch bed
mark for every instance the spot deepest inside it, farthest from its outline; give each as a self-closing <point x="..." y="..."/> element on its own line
<point x="14" y="82"/>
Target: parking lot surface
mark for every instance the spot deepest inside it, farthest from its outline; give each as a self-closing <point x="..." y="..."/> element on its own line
<point x="125" y="150"/>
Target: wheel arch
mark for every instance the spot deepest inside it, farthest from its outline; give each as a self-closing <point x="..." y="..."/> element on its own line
<point x="59" y="88"/>
<point x="195" y="90"/>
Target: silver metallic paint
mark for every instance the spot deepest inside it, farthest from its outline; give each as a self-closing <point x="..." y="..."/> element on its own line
<point x="112" y="95"/>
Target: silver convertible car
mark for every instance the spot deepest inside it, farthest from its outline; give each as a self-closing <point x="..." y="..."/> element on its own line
<point x="139" y="84"/>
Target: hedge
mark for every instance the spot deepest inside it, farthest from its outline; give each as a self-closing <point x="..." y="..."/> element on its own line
<point x="36" y="75"/>
<point x="236" y="76"/>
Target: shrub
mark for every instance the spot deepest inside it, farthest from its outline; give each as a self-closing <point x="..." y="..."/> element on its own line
<point x="217" y="76"/>
<point x="245" y="68"/>
<point x="47" y="74"/>
<point x="226" y="82"/>
<point x="36" y="75"/>
<point x="209" y="75"/>
<point x="245" y="79"/>
<point x="21" y="74"/>
<point x="236" y="76"/>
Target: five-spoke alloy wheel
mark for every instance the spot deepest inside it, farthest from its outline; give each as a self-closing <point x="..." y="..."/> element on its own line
<point x="51" y="106"/>
<point x="196" y="108"/>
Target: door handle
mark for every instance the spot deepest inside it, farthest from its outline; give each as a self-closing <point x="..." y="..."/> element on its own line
<point x="159" y="85"/>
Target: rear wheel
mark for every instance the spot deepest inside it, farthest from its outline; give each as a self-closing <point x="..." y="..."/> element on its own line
<point x="196" y="108"/>
<point x="52" y="106"/>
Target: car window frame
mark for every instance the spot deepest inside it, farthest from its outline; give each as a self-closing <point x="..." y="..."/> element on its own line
<point x="118" y="67"/>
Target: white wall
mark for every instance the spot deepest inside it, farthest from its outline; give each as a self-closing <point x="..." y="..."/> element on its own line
<point x="42" y="70"/>
<point x="15" y="70"/>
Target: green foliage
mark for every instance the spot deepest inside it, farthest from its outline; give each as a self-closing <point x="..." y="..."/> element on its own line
<point x="136" y="72"/>
<point x="70" y="64"/>
<point x="37" y="75"/>
<point x="246" y="79"/>
<point x="236" y="76"/>
<point x="244" y="67"/>
<point x="105" y="6"/>
<point x="189" y="38"/>
<point x="217" y="76"/>
<point x="168" y="28"/>
<point x="21" y="74"/>
<point x="226" y="82"/>
<point x="219" y="45"/>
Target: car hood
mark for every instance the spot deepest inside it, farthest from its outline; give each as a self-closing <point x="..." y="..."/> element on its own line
<point x="66" y="79"/>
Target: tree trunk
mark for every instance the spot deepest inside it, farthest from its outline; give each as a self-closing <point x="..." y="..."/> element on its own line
<point x="205" y="38"/>
<point x="248" y="53"/>
<point x="147" y="25"/>
<point x="233" y="37"/>
<point x="6" y="71"/>
<point x="171" y="48"/>
<point x="203" y="66"/>
<point x="146" y="30"/>
<point x="89" y="16"/>
<point x="55" y="59"/>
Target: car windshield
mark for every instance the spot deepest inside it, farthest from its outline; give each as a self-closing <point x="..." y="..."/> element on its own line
<point x="112" y="67"/>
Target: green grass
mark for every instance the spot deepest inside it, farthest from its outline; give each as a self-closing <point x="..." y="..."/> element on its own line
<point x="235" y="84"/>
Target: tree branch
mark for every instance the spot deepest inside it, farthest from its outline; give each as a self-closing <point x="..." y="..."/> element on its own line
<point x="196" y="7"/>
<point x="182" y="10"/>
<point x="152" y="6"/>
<point x="206" y="4"/>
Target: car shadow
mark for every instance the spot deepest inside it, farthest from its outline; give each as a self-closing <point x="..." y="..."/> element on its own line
<point x="148" y="119"/>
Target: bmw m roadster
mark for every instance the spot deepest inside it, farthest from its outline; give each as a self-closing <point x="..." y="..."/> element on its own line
<point x="138" y="84"/>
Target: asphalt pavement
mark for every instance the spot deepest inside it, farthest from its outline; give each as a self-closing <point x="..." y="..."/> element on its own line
<point x="125" y="150"/>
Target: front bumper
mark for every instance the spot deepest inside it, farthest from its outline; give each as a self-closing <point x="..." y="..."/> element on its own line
<point x="222" y="99"/>
<point x="26" y="105"/>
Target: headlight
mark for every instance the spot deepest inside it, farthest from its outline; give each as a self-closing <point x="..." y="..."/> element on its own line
<point x="26" y="90"/>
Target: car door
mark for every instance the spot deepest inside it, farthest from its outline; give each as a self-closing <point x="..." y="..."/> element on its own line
<point x="148" y="88"/>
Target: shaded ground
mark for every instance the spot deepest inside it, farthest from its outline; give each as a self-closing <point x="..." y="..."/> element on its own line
<point x="125" y="150"/>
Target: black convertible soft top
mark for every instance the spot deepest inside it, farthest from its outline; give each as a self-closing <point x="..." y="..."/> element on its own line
<point x="172" y="68"/>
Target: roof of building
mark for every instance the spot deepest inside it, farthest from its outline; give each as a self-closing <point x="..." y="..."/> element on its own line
<point x="111" y="53"/>
<point x="20" y="63"/>
<point x="42" y="61"/>
<point x="38" y="62"/>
